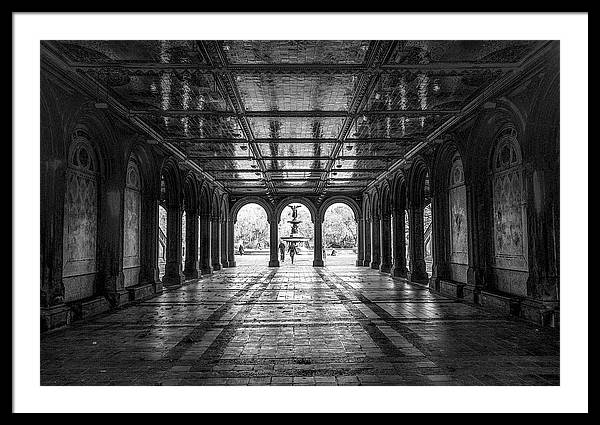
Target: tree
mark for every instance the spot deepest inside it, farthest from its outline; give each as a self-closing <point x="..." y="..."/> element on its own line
<point x="252" y="227"/>
<point x="339" y="227"/>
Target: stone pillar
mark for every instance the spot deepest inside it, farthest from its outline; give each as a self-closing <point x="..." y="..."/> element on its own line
<point x="385" y="229"/>
<point x="273" y="243"/>
<point x="191" y="245"/>
<point x="224" y="243"/>
<point x="440" y="228"/>
<point x="318" y="248"/>
<point x="367" y="242"/>
<point x="205" y="244"/>
<point x="399" y="261"/>
<point x="418" y="271"/>
<point x="230" y="243"/>
<point x="149" y="236"/>
<point x="173" y="274"/>
<point x="361" y="241"/>
<point x="476" y="270"/>
<point x="375" y="243"/>
<point x="215" y="241"/>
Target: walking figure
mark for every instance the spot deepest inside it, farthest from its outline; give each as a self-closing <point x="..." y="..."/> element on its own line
<point x="293" y="251"/>
<point x="282" y="250"/>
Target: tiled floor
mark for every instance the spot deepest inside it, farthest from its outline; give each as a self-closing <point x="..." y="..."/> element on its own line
<point x="299" y="325"/>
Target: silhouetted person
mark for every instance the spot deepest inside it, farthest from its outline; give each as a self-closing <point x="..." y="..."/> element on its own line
<point x="293" y="251"/>
<point x="282" y="250"/>
<point x="241" y="249"/>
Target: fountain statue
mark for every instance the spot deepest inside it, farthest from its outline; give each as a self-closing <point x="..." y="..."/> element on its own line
<point x="294" y="237"/>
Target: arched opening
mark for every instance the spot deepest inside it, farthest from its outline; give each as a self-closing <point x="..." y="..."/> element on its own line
<point x="427" y="228"/>
<point x="80" y="220"/>
<point x="296" y="230"/>
<point x="251" y="235"/>
<point x="340" y="235"/>
<point x="183" y="239"/>
<point x="509" y="209"/>
<point x="132" y="220"/>
<point x="162" y="229"/>
<point x="407" y="239"/>
<point x="458" y="231"/>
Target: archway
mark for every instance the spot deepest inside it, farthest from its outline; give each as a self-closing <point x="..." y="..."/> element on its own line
<point x="340" y="235"/>
<point x="288" y="232"/>
<point x="162" y="230"/>
<point x="251" y="235"/>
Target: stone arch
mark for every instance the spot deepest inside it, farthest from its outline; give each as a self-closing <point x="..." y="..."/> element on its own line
<point x="385" y="202"/>
<point x="342" y="200"/>
<point x="190" y="192"/>
<point x="295" y="200"/>
<point x="399" y="192"/>
<point x="508" y="212"/>
<point x="81" y="216"/>
<point x="417" y="177"/>
<point x="237" y="206"/>
<point x="375" y="205"/>
<point x="172" y="181"/>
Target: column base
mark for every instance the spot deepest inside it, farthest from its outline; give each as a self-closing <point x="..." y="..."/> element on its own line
<point x="273" y="263"/>
<point x="385" y="268"/>
<point x="224" y="264"/>
<point x="140" y="292"/>
<point x="231" y="264"/>
<point x="115" y="299"/>
<point x="172" y="280"/>
<point x="216" y="267"/>
<point x="359" y="263"/>
<point x="207" y="270"/>
<point x="418" y="277"/>
<point x="191" y="274"/>
<point x="399" y="272"/>
<point x="318" y="263"/>
<point x="374" y="265"/>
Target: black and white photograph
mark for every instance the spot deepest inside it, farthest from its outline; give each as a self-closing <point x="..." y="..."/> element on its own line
<point x="366" y="213"/>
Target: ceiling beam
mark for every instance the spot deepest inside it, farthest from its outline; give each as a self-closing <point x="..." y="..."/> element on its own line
<point x="291" y="114"/>
<point x="282" y="68"/>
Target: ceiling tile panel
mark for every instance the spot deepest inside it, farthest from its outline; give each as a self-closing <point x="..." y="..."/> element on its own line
<point x="294" y="51"/>
<point x="296" y="127"/>
<point x="296" y="92"/>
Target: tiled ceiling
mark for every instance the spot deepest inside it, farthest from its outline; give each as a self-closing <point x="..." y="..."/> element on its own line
<point x="282" y="117"/>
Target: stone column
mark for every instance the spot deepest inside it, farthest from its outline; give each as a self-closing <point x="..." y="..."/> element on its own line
<point x="173" y="274"/>
<point x="205" y="242"/>
<point x="399" y="261"/>
<point x="418" y="271"/>
<point x="440" y="228"/>
<point x="273" y="243"/>
<point x="230" y="242"/>
<point x="318" y="254"/>
<point x="385" y="229"/>
<point x="367" y="242"/>
<point x="360" y="223"/>
<point x="375" y="243"/>
<point x="191" y="245"/>
<point x="476" y="270"/>
<point x="224" y="243"/>
<point x="149" y="235"/>
<point x="215" y="241"/>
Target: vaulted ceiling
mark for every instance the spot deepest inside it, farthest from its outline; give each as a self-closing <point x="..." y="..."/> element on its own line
<point x="293" y="117"/>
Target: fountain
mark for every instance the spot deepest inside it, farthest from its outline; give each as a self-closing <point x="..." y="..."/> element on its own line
<point x="294" y="238"/>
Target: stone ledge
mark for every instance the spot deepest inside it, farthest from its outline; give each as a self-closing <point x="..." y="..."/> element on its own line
<point x="502" y="302"/>
<point x="94" y="306"/>
<point x="55" y="317"/>
<point x="471" y="294"/>
<point x="540" y="313"/>
<point x="451" y="289"/>
<point x="140" y="292"/>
